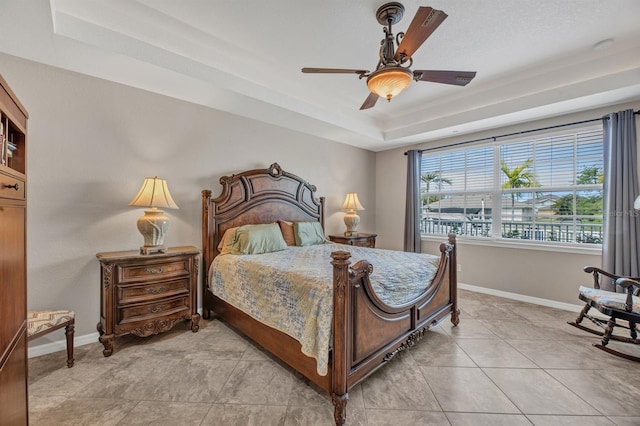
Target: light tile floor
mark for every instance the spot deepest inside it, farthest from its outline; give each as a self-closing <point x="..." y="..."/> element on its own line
<point x="507" y="363"/>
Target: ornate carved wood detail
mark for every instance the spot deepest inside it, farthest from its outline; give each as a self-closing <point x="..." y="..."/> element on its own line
<point x="107" y="274"/>
<point x="275" y="170"/>
<point x="107" y="342"/>
<point x="360" y="269"/>
<point x="340" y="261"/>
<point x="411" y="341"/>
<point x="206" y="195"/>
<point x="447" y="247"/>
<point x="195" y="322"/>
<point x="455" y="317"/>
<point x="340" y="408"/>
<point x="155" y="327"/>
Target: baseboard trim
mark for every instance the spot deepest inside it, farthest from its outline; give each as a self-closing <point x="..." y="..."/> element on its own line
<point x="61" y="345"/>
<point x="522" y="298"/>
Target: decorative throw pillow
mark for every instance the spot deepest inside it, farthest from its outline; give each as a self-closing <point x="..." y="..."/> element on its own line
<point x="287" y="232"/>
<point x="256" y="239"/>
<point x="223" y="245"/>
<point x="308" y="233"/>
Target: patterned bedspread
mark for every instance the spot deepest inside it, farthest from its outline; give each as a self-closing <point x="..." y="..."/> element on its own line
<point x="292" y="290"/>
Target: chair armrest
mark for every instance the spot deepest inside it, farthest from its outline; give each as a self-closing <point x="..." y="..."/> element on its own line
<point x="596" y="272"/>
<point x="628" y="284"/>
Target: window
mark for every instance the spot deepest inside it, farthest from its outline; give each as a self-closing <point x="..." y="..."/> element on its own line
<point x="545" y="189"/>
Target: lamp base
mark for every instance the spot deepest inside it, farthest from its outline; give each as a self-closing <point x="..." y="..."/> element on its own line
<point x="351" y="221"/>
<point x="153" y="226"/>
<point x="153" y="249"/>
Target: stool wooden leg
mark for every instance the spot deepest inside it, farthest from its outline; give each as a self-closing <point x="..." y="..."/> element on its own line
<point x="69" y="331"/>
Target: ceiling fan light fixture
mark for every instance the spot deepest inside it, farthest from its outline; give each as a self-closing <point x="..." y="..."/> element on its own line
<point x="390" y="81"/>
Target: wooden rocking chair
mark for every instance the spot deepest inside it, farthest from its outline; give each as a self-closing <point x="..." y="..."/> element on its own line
<point x="615" y="306"/>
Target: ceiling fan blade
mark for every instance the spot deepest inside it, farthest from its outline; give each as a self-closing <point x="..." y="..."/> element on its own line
<point x="333" y="71"/>
<point x="459" y="78"/>
<point x="423" y="25"/>
<point x="370" y="101"/>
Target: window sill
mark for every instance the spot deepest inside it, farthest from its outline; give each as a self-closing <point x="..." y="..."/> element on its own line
<point x="594" y="249"/>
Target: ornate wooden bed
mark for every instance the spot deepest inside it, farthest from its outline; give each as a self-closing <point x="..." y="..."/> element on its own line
<point x="367" y="333"/>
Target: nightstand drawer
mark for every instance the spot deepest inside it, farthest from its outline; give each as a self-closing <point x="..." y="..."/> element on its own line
<point x="146" y="292"/>
<point x="145" y="311"/>
<point x="361" y="242"/>
<point x="10" y="187"/>
<point x="153" y="272"/>
<point x="361" y="239"/>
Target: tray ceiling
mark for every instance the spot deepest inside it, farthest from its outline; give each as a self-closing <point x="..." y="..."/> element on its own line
<point x="534" y="59"/>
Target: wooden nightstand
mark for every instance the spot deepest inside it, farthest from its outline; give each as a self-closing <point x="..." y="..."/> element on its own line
<point x="147" y="294"/>
<point x="361" y="239"/>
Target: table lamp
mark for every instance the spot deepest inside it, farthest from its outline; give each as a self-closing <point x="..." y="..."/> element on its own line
<point x="351" y="219"/>
<point x="153" y="225"/>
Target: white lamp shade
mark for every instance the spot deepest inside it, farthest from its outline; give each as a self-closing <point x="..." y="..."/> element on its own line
<point x="351" y="202"/>
<point x="154" y="193"/>
<point x="636" y="203"/>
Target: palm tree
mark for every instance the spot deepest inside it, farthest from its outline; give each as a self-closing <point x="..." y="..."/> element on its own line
<point x="518" y="177"/>
<point x="433" y="177"/>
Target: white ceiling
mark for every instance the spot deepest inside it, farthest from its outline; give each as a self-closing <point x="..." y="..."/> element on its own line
<point x="534" y="59"/>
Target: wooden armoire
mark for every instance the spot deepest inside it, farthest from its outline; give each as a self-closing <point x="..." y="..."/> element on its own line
<point x="13" y="259"/>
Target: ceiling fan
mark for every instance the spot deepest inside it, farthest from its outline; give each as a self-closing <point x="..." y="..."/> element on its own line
<point x="391" y="76"/>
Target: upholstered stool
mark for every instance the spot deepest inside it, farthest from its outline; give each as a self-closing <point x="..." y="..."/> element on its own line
<point x="40" y="323"/>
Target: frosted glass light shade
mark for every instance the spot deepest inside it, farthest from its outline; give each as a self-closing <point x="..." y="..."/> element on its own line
<point x="154" y="224"/>
<point x="389" y="82"/>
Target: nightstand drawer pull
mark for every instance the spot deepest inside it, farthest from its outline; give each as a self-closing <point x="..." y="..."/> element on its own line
<point x="14" y="186"/>
<point x="156" y="290"/>
<point x="159" y="270"/>
<point x="156" y="308"/>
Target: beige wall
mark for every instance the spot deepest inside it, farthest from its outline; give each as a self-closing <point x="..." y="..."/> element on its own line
<point x="91" y="143"/>
<point x="551" y="275"/>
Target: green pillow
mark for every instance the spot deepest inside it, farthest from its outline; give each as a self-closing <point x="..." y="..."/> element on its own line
<point x="308" y="233"/>
<point x="256" y="239"/>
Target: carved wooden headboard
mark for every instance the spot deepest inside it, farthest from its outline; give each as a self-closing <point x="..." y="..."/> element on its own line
<point x="253" y="197"/>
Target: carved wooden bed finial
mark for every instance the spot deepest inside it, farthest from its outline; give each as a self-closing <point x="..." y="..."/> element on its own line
<point x="275" y="170"/>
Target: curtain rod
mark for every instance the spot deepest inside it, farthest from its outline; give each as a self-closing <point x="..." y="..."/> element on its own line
<point x="518" y="133"/>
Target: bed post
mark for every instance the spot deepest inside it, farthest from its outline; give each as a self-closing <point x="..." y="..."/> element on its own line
<point x="453" y="280"/>
<point x="206" y="252"/>
<point x="340" y="368"/>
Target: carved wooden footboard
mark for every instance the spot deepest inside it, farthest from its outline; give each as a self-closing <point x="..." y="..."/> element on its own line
<point x="367" y="333"/>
